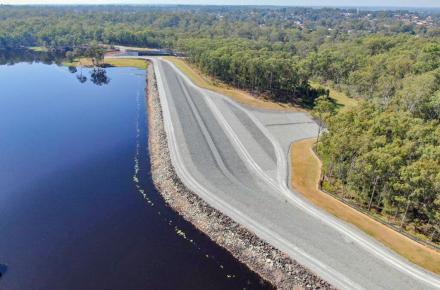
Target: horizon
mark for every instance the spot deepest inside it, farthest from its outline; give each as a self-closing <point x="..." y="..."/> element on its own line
<point x="386" y="4"/>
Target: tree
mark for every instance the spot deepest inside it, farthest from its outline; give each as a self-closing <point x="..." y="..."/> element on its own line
<point x="323" y="109"/>
<point x="96" y="53"/>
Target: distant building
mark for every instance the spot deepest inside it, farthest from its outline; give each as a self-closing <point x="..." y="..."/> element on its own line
<point x="131" y="53"/>
<point x="145" y="52"/>
<point x="156" y="52"/>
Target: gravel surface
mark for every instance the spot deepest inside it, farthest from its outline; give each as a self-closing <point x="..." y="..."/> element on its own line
<point x="268" y="262"/>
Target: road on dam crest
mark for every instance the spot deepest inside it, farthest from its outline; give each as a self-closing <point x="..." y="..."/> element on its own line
<point x="235" y="158"/>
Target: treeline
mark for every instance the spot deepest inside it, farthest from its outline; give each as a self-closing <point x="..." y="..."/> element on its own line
<point x="375" y="66"/>
<point x="387" y="161"/>
<point x="247" y="65"/>
<point x="385" y="154"/>
<point x="288" y="28"/>
<point x="56" y="27"/>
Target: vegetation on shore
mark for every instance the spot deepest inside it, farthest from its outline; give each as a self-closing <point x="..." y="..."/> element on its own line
<point x="94" y="56"/>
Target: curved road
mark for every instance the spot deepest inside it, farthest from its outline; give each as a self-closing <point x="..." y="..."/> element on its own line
<point x="231" y="157"/>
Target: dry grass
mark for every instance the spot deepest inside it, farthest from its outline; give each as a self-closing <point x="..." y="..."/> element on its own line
<point x="240" y="96"/>
<point x="341" y="99"/>
<point x="306" y="170"/>
<point x="84" y="62"/>
<point x="38" y="48"/>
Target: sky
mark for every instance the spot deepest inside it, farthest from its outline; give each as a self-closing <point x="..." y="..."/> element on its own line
<point x="370" y="3"/>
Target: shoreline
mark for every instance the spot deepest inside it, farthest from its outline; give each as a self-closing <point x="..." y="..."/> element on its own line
<point x="269" y="263"/>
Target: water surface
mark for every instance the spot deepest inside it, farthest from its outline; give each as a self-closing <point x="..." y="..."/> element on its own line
<point x="73" y="171"/>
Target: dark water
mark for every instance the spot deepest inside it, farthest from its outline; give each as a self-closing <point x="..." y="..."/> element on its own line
<point x="73" y="167"/>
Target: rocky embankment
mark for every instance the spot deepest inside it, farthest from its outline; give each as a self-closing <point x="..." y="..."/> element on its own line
<point x="268" y="262"/>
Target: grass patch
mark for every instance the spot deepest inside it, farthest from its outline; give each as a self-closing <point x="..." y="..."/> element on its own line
<point x="343" y="101"/>
<point x="84" y="62"/>
<point x="127" y="62"/>
<point x="306" y="170"/>
<point x="38" y="48"/>
<point x="111" y="62"/>
<point x="240" y="96"/>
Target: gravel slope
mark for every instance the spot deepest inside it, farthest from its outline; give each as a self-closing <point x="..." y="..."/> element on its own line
<point x="270" y="263"/>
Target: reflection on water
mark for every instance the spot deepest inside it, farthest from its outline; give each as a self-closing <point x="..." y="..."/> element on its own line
<point x="3" y="269"/>
<point x="72" y="69"/>
<point x="81" y="78"/>
<point x="98" y="75"/>
<point x="12" y="56"/>
<point x="78" y="209"/>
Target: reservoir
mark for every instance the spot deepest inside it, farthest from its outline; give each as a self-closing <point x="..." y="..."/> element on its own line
<point x="78" y="209"/>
